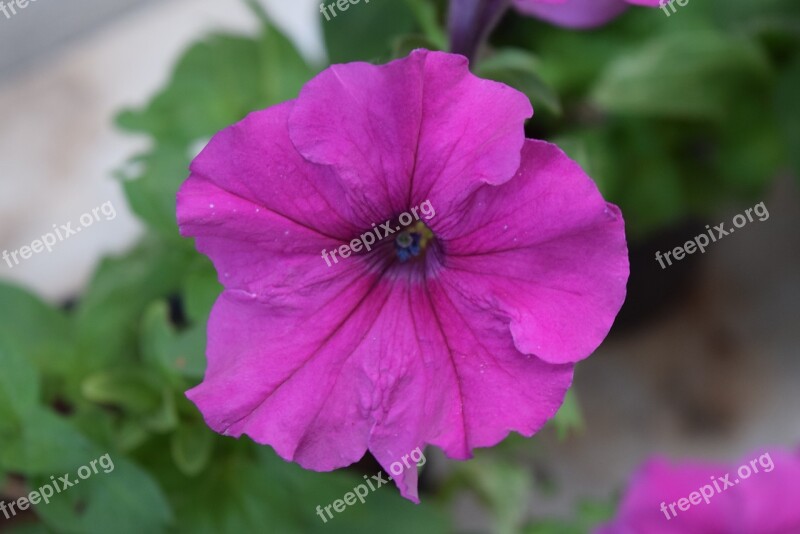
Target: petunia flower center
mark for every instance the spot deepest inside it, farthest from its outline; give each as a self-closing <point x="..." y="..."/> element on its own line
<point x="412" y="241"/>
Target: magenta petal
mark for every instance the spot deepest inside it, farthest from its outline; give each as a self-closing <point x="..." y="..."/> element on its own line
<point x="762" y="503"/>
<point x="253" y="204"/>
<point x="659" y="481"/>
<point x="374" y="372"/>
<point x="292" y="380"/>
<point x="419" y="128"/>
<point x="495" y="388"/>
<point x="577" y="14"/>
<point x="546" y="251"/>
<point x="768" y="502"/>
<point x="453" y="345"/>
<point x="380" y="366"/>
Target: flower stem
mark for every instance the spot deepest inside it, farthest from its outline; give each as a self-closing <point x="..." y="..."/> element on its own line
<point x="470" y="22"/>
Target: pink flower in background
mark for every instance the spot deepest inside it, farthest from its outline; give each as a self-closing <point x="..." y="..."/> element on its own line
<point x="758" y="495"/>
<point x="518" y="276"/>
<point x="579" y="14"/>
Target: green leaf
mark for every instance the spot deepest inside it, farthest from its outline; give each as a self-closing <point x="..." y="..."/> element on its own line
<point x="640" y="166"/>
<point x="133" y="390"/>
<point x="108" y="317"/>
<point x="124" y="500"/>
<point x="19" y="387"/>
<point x="591" y="514"/>
<point x="787" y="108"/>
<point x="428" y="19"/>
<point x="571" y="61"/>
<point x="503" y="488"/>
<point x="151" y="190"/>
<point x="520" y="70"/>
<point x="751" y="149"/>
<point x="509" y="58"/>
<point x="33" y="328"/>
<point x="587" y="518"/>
<point x="405" y="44"/>
<point x="130" y="434"/>
<point x="215" y="84"/>
<point x="201" y="290"/>
<point x="46" y="444"/>
<point x="176" y="354"/>
<point x="165" y="418"/>
<point x="569" y="417"/>
<point x="366" y="31"/>
<point x="247" y="488"/>
<point x="781" y="17"/>
<point x="554" y="527"/>
<point x="693" y="75"/>
<point x="191" y="446"/>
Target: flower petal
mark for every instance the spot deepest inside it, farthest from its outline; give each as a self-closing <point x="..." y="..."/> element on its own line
<point x="292" y="380"/>
<point x="762" y="503"/>
<point x="262" y="213"/>
<point x="546" y="251"/>
<point x="659" y="481"/>
<point x="419" y="128"/>
<point x="577" y="14"/>
<point x="379" y="365"/>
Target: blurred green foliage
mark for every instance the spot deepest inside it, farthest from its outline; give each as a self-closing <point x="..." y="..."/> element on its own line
<point x="676" y="116"/>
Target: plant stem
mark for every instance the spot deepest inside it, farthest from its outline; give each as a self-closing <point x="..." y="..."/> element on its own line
<point x="470" y="22"/>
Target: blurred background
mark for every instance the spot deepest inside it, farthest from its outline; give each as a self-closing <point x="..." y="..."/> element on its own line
<point x="66" y="70"/>
<point x="684" y="121"/>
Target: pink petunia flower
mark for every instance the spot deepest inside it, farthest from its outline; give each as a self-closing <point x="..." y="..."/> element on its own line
<point x="520" y="274"/>
<point x="758" y="495"/>
<point x="579" y="14"/>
